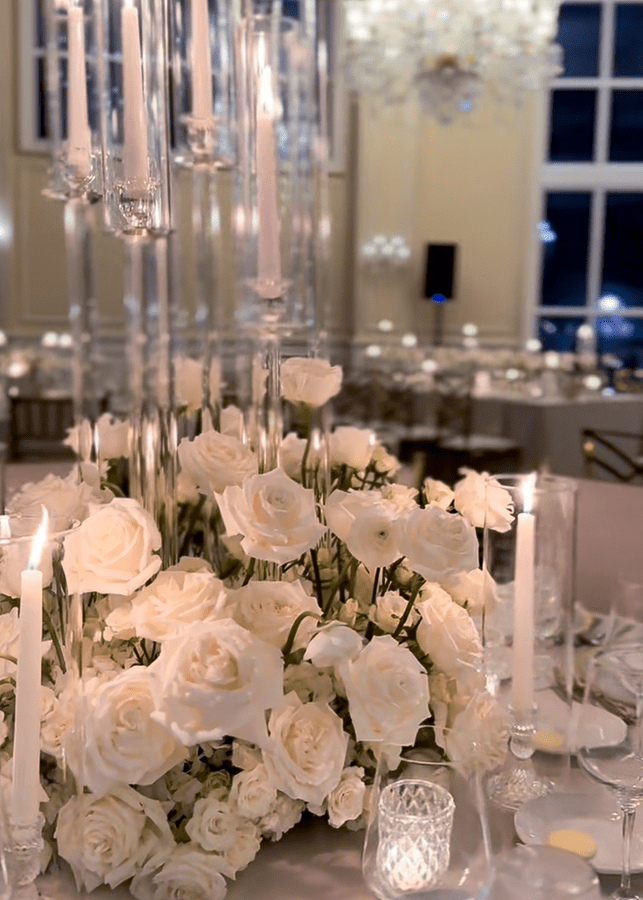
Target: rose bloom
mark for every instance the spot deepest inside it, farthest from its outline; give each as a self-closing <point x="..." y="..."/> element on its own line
<point x="343" y="507"/>
<point x="333" y="644"/>
<point x="66" y="498"/>
<point x="113" y="436"/>
<point x="112" y="551"/>
<point x="108" y="839"/>
<point x="253" y="793"/>
<point x="291" y="455"/>
<point x="389" y="609"/>
<point x="276" y="516"/>
<point x="482" y="500"/>
<point x="186" y="872"/>
<point x="307" y="748"/>
<point x="10" y="641"/>
<point x="216" y="679"/>
<point x="476" y="590"/>
<point x="436" y="543"/>
<point x="232" y="422"/>
<point x="437" y="493"/>
<point x="350" y="446"/>
<point x="283" y="816"/>
<point x="212" y="461"/>
<point x="309" y="380"/>
<point x="449" y="636"/>
<point x="123" y="743"/>
<point x="388" y="692"/>
<point x="213" y="824"/>
<point x="479" y="735"/>
<point x="346" y="800"/>
<point x="174" y="599"/>
<point x="269" y="609"/>
<point x="188" y="375"/>
<point x="308" y="682"/>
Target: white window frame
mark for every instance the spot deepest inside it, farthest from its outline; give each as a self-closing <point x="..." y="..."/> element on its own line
<point x="598" y="178"/>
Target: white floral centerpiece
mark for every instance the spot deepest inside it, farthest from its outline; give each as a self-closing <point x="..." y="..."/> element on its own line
<point x="221" y="705"/>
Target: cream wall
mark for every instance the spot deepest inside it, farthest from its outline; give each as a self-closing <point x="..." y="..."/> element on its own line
<point x="467" y="184"/>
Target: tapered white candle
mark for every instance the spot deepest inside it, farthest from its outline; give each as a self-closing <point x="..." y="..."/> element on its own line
<point x="25" y="799"/>
<point x="201" y="61"/>
<point x="522" y="684"/>
<point x="268" y="247"/>
<point x="79" y="135"/>
<point x="5" y="528"/>
<point x="134" y="117"/>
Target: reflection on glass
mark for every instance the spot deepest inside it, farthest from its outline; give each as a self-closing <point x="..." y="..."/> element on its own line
<point x="559" y="333"/>
<point x="626" y="132"/>
<point x="628" y="49"/>
<point x="565" y="258"/>
<point x="578" y="34"/>
<point x="572" y="126"/>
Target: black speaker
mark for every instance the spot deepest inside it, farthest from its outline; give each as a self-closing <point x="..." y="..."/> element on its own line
<point x="440" y="271"/>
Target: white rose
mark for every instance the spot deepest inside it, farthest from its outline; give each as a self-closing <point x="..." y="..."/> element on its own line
<point x="232" y="422"/>
<point x="123" y="743"/>
<point x="188" y="380"/>
<point x="385" y="463"/>
<point x="9" y="642"/>
<point x="291" y="455"/>
<point x="333" y="644"/>
<point x="309" y="380"/>
<point x="449" y="636"/>
<point x="350" y="446"/>
<point x="59" y="715"/>
<point x="343" y="507"/>
<point x="269" y="609"/>
<point x="478" y="736"/>
<point x="398" y="498"/>
<point x="174" y="599"/>
<point x="253" y="792"/>
<point x="108" y="839"/>
<point x="246" y="845"/>
<point x="213" y="461"/>
<point x="283" y="816"/>
<point x="475" y="589"/>
<point x="389" y="609"/>
<point x="437" y="493"/>
<point x="113" y="437"/>
<point x="388" y="692"/>
<point x="66" y="498"/>
<point x="276" y="516"/>
<point x="187" y="872"/>
<point x="307" y="748"/>
<point x="436" y="543"/>
<point x="482" y="500"/>
<point x="112" y="551"/>
<point x="213" y="824"/>
<point x="308" y="682"/>
<point x="216" y="679"/>
<point x="346" y="800"/>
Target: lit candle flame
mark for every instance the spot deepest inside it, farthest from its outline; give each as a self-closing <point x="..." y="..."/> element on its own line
<point x="39" y="541"/>
<point x="528" y="488"/>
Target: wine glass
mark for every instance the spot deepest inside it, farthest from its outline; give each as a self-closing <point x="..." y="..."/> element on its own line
<point x="615" y="678"/>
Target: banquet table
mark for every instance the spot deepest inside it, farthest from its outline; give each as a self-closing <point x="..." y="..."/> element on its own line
<point x="549" y="429"/>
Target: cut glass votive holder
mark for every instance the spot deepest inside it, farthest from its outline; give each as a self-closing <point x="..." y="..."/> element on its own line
<point x="415" y="823"/>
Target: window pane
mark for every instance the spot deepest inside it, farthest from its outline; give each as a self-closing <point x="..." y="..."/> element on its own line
<point x="559" y="333"/>
<point x="39" y="23"/>
<point x="565" y="245"/>
<point x="628" y="45"/>
<point x="578" y="29"/>
<point x="626" y="132"/>
<point x="622" y="284"/>
<point x="41" y="130"/>
<point x="572" y="126"/>
<point x="622" y="338"/>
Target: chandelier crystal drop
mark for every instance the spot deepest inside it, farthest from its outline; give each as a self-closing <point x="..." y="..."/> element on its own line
<point x="447" y="53"/>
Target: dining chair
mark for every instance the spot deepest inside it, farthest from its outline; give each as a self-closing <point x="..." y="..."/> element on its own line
<point x="615" y="453"/>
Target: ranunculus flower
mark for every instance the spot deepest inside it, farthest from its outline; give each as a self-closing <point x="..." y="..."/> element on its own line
<point x="112" y="551"/>
<point x="176" y="598"/>
<point x="186" y="872"/>
<point x="388" y="692"/>
<point x="123" y="744"/>
<point x="212" y="461"/>
<point x="483" y="501"/>
<point x="216" y="679"/>
<point x="276" y="516"/>
<point x="350" y="446"/>
<point x="389" y="609"/>
<point x="449" y="636"/>
<point x="269" y="608"/>
<point x="307" y="748"/>
<point x="108" y="839"/>
<point x="436" y="543"/>
<point x="309" y="380"/>
<point x="372" y="538"/>
<point x="346" y="800"/>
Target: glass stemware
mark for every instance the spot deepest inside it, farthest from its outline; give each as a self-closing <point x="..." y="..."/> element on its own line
<point x="615" y="679"/>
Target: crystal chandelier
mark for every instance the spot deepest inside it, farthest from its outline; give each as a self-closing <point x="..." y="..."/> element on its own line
<point x="447" y="51"/>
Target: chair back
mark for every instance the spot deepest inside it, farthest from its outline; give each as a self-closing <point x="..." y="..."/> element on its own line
<point x="618" y="454"/>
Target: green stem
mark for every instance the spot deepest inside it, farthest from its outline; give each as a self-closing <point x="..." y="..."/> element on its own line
<point x="249" y="571"/>
<point x="407" y="610"/>
<point x="290" y="640"/>
<point x="55" y="640"/>
<point x="194" y="516"/>
<point x="318" y="582"/>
